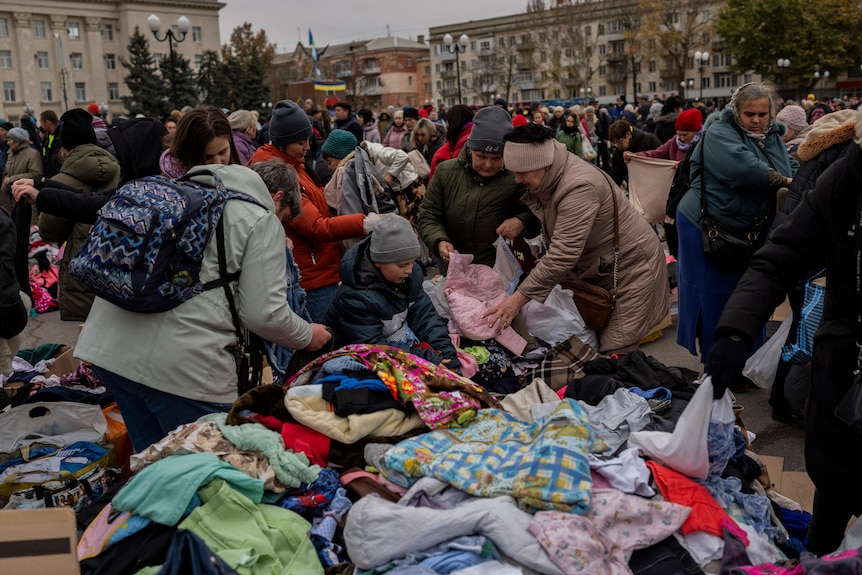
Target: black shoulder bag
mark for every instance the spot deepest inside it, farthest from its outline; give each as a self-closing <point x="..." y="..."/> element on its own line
<point x="849" y="409"/>
<point x="728" y="248"/>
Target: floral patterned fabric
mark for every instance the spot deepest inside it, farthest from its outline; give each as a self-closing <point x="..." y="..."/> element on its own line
<point x="442" y="398"/>
<point x="603" y="539"/>
<point x="542" y="464"/>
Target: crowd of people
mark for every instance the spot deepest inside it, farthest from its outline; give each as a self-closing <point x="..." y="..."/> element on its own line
<point x="365" y="201"/>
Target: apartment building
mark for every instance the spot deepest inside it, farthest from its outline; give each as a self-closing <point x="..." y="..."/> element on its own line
<point x="60" y="55"/>
<point x="583" y="50"/>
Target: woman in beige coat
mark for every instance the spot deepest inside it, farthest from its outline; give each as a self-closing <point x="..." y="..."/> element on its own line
<point x="573" y="200"/>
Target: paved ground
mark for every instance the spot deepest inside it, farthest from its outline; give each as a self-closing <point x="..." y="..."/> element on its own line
<point x="772" y="438"/>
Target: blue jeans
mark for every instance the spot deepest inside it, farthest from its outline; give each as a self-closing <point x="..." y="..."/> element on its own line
<point x="317" y="302"/>
<point x="151" y="414"/>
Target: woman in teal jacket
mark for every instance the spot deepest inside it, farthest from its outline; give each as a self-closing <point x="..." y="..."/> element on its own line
<point x="743" y="162"/>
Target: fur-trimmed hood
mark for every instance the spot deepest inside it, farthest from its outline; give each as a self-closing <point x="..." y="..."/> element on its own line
<point x="830" y="130"/>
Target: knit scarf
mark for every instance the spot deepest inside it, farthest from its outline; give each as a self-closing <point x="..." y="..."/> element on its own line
<point x="694" y="140"/>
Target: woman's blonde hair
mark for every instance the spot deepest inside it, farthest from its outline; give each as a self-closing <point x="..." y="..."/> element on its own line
<point x="428" y="126"/>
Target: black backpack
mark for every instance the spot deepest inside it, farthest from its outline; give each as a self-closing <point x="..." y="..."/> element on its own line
<point x="681" y="184"/>
<point x="138" y="147"/>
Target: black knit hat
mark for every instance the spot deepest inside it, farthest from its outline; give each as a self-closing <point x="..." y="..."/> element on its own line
<point x="76" y="128"/>
<point x="411" y="113"/>
<point x="289" y="123"/>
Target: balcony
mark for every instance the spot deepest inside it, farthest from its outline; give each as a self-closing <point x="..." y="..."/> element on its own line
<point x="615" y="36"/>
<point x="615" y="58"/>
<point x="485" y="52"/>
<point x="529" y="85"/>
<point x="344" y="73"/>
<point x="448" y="73"/>
<point x="369" y="70"/>
<point x="527" y="46"/>
<point x="668" y="73"/>
<point x="448" y="91"/>
<point x="616" y="77"/>
<point x="445" y="55"/>
<point x="371" y="90"/>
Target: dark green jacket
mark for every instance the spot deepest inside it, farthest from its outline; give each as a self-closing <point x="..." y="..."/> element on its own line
<point x="92" y="170"/>
<point x="465" y="209"/>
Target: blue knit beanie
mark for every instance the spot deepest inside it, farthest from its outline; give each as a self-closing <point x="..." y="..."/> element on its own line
<point x="339" y="144"/>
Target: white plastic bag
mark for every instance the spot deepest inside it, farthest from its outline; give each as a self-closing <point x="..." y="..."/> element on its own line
<point x="685" y="450"/>
<point x="57" y="423"/>
<point x="557" y="319"/>
<point x="761" y="367"/>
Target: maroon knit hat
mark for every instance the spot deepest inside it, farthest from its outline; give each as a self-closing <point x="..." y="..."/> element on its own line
<point x="689" y="121"/>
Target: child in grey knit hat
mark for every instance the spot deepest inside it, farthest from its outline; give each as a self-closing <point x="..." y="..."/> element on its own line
<point x="381" y="299"/>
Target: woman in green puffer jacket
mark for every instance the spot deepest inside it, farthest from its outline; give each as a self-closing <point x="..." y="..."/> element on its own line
<point x="86" y="167"/>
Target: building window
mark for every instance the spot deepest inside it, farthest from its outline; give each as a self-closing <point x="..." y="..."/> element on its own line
<point x="47" y="92"/>
<point x="427" y="86"/>
<point x="8" y="91"/>
<point x="725" y="81"/>
<point x="723" y="59"/>
<point x="409" y="80"/>
<point x="110" y="62"/>
<point x="199" y="58"/>
<point x="512" y="40"/>
<point x="603" y="49"/>
<point x="74" y="29"/>
<point x="158" y="57"/>
<point x="6" y="59"/>
<point x="409" y="61"/>
<point x="427" y="70"/>
<point x="113" y="91"/>
<point x="42" y="60"/>
<point x="603" y="90"/>
<point x="80" y="91"/>
<point x="39" y="28"/>
<point x="651" y="87"/>
<point x="197" y="34"/>
<point x="601" y="31"/>
<point x="588" y="31"/>
<point x="4" y="27"/>
<point x="107" y="32"/>
<point x="652" y="65"/>
<point x="705" y="82"/>
<point x="77" y="60"/>
<point x="602" y="70"/>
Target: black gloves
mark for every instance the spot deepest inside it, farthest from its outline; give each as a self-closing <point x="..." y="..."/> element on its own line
<point x="726" y="361"/>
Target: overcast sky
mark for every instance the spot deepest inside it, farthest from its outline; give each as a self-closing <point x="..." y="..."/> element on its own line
<point x="339" y="21"/>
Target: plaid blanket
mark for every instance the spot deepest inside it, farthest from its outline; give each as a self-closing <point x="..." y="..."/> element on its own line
<point x="562" y="364"/>
<point x="542" y="464"/>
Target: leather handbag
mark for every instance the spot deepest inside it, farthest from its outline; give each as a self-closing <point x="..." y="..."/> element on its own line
<point x="727" y="248"/>
<point x="596" y="304"/>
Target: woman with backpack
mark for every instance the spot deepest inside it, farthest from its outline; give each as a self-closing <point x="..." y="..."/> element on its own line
<point x="172" y="367"/>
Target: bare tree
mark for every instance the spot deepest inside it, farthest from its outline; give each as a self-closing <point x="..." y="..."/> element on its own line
<point x="673" y="30"/>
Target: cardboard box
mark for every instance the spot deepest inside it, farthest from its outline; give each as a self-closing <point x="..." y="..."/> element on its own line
<point x="65" y="362"/>
<point x="38" y="542"/>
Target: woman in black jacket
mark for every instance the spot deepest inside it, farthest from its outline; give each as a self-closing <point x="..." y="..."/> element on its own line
<point x="821" y="231"/>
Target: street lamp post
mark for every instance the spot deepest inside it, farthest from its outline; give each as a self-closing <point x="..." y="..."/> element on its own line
<point x="701" y="58"/>
<point x="818" y="77"/>
<point x="783" y="64"/>
<point x="683" y="85"/>
<point x="586" y="94"/>
<point x="457" y="49"/>
<point x="183" y="25"/>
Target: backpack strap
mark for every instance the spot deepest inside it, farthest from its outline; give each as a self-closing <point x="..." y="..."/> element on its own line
<point x="225" y="278"/>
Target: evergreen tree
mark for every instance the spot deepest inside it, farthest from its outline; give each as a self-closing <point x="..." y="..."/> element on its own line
<point x="247" y="59"/>
<point x="146" y="90"/>
<point x="181" y="88"/>
<point x="211" y="80"/>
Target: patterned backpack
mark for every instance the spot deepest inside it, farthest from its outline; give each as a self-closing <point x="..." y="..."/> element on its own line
<point x="144" y="253"/>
